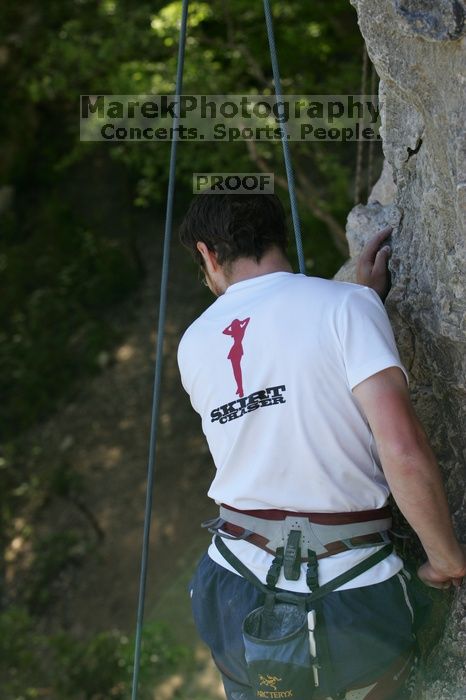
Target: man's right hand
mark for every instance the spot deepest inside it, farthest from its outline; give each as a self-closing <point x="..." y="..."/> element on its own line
<point x="440" y="577"/>
<point x="372" y="265"/>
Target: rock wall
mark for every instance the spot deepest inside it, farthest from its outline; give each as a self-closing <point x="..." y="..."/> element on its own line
<point x="419" y="50"/>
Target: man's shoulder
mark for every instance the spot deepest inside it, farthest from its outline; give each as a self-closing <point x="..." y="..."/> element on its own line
<point x="195" y="329"/>
<point x="328" y="292"/>
<point x="330" y="289"/>
<point x="189" y="333"/>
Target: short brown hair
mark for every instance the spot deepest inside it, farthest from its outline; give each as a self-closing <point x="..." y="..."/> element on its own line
<point x="234" y="225"/>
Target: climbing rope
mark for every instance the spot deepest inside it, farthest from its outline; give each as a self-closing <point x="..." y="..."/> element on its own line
<point x="284" y="137"/>
<point x="163" y="303"/>
<point x="159" y="356"/>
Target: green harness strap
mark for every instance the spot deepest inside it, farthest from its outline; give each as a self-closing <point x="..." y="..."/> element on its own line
<point x="322" y="591"/>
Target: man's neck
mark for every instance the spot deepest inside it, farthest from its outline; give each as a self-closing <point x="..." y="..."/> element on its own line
<point x="247" y="268"/>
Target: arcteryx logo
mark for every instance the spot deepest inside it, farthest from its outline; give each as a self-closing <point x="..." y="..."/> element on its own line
<point x="272" y="683"/>
<point x="237" y="329"/>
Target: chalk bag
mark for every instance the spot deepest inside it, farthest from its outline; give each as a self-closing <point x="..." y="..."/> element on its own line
<point x="277" y="650"/>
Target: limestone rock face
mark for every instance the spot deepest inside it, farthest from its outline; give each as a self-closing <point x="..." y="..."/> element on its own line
<point x="419" y="50"/>
<point x="431" y="19"/>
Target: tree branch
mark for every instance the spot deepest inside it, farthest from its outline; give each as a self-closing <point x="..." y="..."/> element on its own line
<point x="307" y="195"/>
<point x="254" y="66"/>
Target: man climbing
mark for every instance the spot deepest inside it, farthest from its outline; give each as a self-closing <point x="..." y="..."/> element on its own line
<point x="318" y="433"/>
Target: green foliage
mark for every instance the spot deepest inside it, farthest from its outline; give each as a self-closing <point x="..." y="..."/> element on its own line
<point x="52" y="554"/>
<point x="130" y="48"/>
<point x="62" y="667"/>
<point x="227" y="42"/>
<point x="21" y="491"/>
<point x="58" y="283"/>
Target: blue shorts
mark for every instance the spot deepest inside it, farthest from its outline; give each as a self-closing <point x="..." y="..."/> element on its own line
<point x="367" y="628"/>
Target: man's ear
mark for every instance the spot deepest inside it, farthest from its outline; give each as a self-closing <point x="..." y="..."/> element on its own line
<point x="209" y="256"/>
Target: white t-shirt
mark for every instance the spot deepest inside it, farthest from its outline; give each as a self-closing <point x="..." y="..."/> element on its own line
<point x="270" y="366"/>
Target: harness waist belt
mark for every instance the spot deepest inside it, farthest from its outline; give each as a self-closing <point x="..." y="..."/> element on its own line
<point x="322" y="533"/>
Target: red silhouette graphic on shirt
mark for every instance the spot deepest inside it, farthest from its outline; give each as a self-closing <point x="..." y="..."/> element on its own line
<point x="237" y="330"/>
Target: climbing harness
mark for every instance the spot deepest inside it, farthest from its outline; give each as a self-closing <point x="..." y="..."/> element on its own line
<point x="291" y="535"/>
<point x="285" y="638"/>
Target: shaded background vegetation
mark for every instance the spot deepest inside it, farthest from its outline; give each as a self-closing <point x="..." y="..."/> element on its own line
<point x="74" y="219"/>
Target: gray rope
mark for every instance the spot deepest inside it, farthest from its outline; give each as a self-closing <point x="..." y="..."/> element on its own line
<point x="159" y="358"/>
<point x="284" y="138"/>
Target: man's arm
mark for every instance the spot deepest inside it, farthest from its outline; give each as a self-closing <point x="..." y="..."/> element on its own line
<point x="412" y="473"/>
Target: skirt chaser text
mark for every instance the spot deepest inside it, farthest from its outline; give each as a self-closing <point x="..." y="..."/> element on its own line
<point x="271" y="396"/>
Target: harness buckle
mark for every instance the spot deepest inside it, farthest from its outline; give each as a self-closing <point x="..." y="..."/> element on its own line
<point x="384" y="539"/>
<point x="312" y="572"/>
<point x="292" y="557"/>
<point x="215" y="527"/>
<point x="275" y="568"/>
